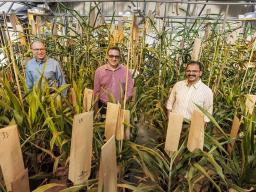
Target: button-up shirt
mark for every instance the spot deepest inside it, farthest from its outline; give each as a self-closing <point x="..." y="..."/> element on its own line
<point x="109" y="84"/>
<point x="183" y="98"/>
<point x="50" y="69"/>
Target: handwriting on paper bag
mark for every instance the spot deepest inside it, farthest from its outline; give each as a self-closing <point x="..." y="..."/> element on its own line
<point x="83" y="173"/>
<point x="4" y="135"/>
<point x="80" y="120"/>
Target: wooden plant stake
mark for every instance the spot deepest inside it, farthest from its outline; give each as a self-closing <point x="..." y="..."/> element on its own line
<point x="196" y="132"/>
<point x="112" y="117"/>
<point x="109" y="166"/>
<point x="173" y="132"/>
<point x="233" y="133"/>
<point x="196" y="50"/>
<point x="81" y="148"/>
<point x="88" y="99"/>
<point x="21" y="184"/>
<point x="11" y="160"/>
<point x="250" y="103"/>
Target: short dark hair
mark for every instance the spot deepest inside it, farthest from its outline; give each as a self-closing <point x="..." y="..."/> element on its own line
<point x="114" y="48"/>
<point x="198" y="63"/>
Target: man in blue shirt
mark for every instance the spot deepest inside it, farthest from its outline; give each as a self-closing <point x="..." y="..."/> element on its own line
<point x="43" y="65"/>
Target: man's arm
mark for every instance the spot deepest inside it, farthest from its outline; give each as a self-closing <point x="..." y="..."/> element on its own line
<point x="60" y="78"/>
<point x="130" y="86"/>
<point x="171" y="99"/>
<point x="29" y="78"/>
<point x="208" y="105"/>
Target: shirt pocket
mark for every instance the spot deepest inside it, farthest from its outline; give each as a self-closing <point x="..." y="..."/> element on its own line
<point x="50" y="75"/>
<point x="198" y="101"/>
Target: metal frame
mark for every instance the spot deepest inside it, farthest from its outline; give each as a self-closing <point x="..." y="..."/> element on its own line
<point x="205" y="2"/>
<point x="160" y="1"/>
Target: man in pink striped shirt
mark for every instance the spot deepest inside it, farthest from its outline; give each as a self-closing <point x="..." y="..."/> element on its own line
<point x="110" y="81"/>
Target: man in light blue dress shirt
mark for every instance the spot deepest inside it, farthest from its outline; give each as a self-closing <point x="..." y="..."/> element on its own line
<point x="43" y="65"/>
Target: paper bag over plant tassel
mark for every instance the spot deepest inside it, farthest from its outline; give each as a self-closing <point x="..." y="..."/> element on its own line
<point x="108" y="167"/>
<point x="196" y="132"/>
<point x="196" y="50"/>
<point x="250" y="103"/>
<point x="21" y="184"/>
<point x="11" y="160"/>
<point x="88" y="99"/>
<point x="92" y="17"/>
<point x="173" y="132"/>
<point x="123" y="121"/>
<point x="112" y="117"/>
<point x="81" y="148"/>
<point x="233" y="133"/>
<point x="17" y="27"/>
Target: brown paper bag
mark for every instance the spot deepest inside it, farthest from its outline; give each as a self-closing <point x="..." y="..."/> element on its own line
<point x="73" y="97"/>
<point x="123" y="125"/>
<point x="127" y="117"/>
<point x="101" y="177"/>
<point x="233" y="133"/>
<point x="173" y="132"/>
<point x="120" y="126"/>
<point x="81" y="148"/>
<point x="54" y="29"/>
<point x="112" y="117"/>
<point x="21" y="184"/>
<point x="250" y="103"/>
<point x="92" y="17"/>
<point x="196" y="132"/>
<point x="38" y="25"/>
<point x="11" y="160"/>
<point x="17" y="27"/>
<point x="196" y="50"/>
<point x="109" y="165"/>
<point x="88" y="99"/>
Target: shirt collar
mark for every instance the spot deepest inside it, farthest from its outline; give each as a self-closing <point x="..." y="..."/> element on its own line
<point x="196" y="85"/>
<point x="41" y="61"/>
<point x="118" y="67"/>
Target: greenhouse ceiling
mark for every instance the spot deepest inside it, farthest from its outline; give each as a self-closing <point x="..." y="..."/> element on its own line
<point x="177" y="10"/>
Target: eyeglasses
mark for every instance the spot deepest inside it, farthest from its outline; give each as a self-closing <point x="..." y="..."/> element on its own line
<point x="192" y="71"/>
<point x="42" y="49"/>
<point x="116" y="56"/>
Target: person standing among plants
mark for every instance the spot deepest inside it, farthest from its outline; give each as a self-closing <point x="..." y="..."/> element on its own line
<point x="186" y="94"/>
<point x="110" y="81"/>
<point x="40" y="65"/>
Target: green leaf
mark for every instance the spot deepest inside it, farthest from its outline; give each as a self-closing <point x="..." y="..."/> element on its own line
<point x="44" y="188"/>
